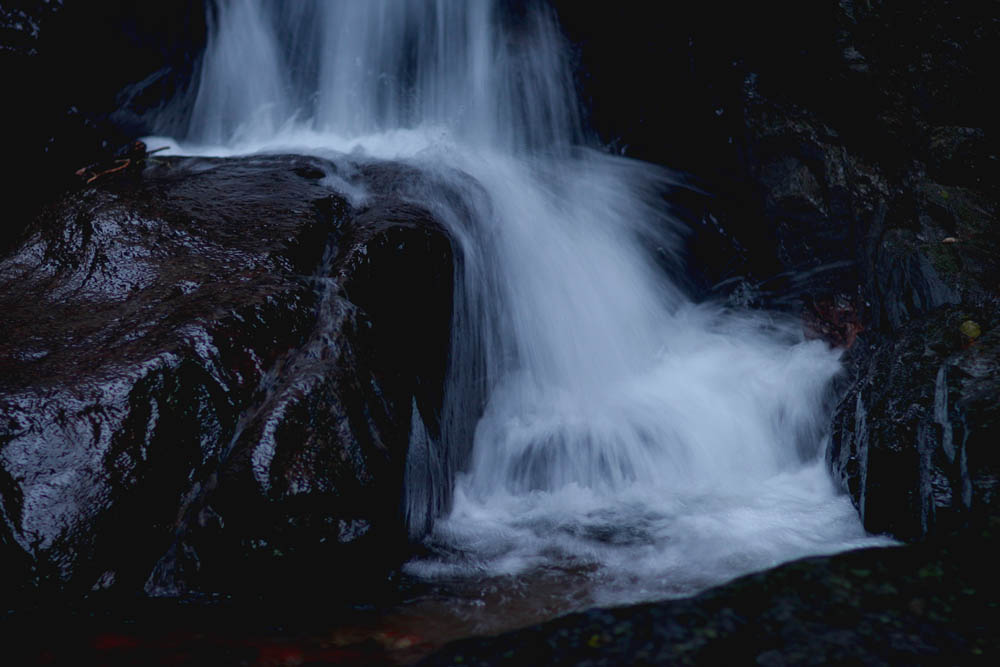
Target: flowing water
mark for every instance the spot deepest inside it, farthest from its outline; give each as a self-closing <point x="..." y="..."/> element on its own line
<point x="628" y="444"/>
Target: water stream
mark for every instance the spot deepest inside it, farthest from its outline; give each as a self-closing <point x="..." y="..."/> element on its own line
<point x="633" y="445"/>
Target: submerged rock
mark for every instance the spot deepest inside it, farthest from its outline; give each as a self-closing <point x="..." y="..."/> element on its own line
<point x="209" y="371"/>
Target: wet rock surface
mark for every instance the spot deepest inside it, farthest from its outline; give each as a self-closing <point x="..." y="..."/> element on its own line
<point x="932" y="604"/>
<point x="914" y="440"/>
<point x="867" y="155"/>
<point x="909" y="436"/>
<point x="867" y="122"/>
<point x="83" y="74"/>
<point x="195" y="389"/>
<point x="863" y="195"/>
<point x="853" y="168"/>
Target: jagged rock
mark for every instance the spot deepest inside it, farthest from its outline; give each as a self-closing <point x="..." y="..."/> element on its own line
<point x="215" y="364"/>
<point x="864" y="137"/>
<point x="879" y="196"/>
<point x="819" y="199"/>
<point x="914" y="440"/>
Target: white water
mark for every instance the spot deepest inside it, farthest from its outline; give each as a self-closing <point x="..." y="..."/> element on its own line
<point x="652" y="444"/>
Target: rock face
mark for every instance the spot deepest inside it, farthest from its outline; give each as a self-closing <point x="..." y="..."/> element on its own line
<point x="854" y="162"/>
<point x="190" y="394"/>
<point x="815" y="140"/>
<point x="915" y="439"/>
<point x="209" y="371"/>
<point x="910" y="252"/>
<point x="911" y="441"/>
<point x="854" y="165"/>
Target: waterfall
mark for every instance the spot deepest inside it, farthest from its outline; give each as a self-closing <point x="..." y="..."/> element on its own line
<point x="657" y="444"/>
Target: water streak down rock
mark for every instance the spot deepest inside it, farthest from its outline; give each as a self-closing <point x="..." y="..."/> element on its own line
<point x="914" y="442"/>
<point x="208" y="374"/>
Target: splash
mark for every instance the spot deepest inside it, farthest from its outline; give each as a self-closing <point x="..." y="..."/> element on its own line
<point x="603" y="424"/>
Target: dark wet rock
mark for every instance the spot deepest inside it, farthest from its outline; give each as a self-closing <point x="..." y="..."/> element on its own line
<point x="819" y="201"/>
<point x="928" y="604"/>
<point x="851" y="165"/>
<point x="834" y="319"/>
<point x="905" y="281"/>
<point x="816" y="143"/>
<point x="914" y="440"/>
<point x="22" y="23"/>
<point x="955" y="154"/>
<point x="897" y="242"/>
<point x="870" y="155"/>
<point x="213" y="367"/>
<point x="78" y="77"/>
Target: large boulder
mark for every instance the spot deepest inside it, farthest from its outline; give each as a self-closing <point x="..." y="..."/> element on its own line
<point x="210" y="370"/>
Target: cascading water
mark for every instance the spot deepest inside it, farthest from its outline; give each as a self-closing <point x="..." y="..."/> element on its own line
<point x="631" y="439"/>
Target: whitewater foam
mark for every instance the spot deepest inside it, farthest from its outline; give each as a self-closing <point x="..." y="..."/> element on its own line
<point x="656" y="445"/>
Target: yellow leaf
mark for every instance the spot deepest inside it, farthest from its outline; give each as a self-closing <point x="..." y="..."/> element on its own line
<point x="970" y="329"/>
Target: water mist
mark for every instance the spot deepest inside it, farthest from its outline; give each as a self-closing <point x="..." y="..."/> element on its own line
<point x="629" y="438"/>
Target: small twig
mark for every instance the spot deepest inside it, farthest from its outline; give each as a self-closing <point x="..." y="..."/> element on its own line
<point x="122" y="164"/>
